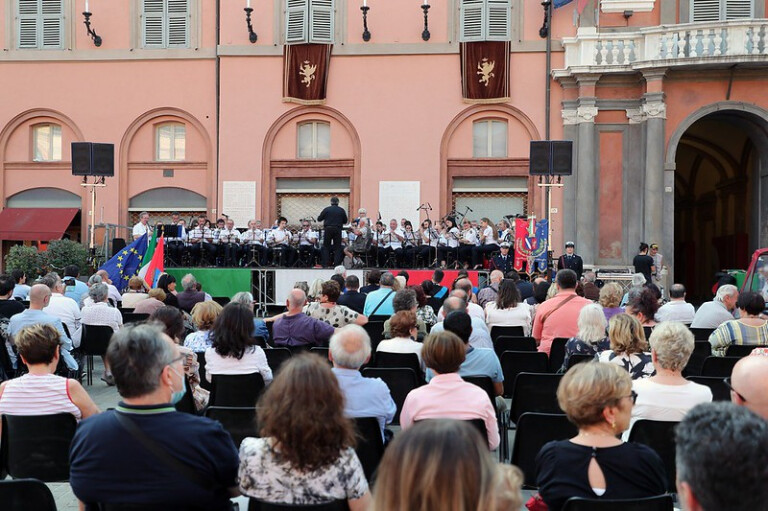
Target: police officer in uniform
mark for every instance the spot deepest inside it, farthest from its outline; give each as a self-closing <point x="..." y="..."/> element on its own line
<point x="504" y="261"/>
<point x="570" y="260"/>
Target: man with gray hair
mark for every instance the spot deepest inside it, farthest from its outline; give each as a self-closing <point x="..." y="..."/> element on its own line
<point x="176" y="458"/>
<point x="259" y="327"/>
<point x="490" y="292"/>
<point x="190" y="296"/>
<point x="142" y="227"/>
<point x="350" y="348"/>
<point x="722" y="459"/>
<point x="62" y="307"/>
<point x="114" y="295"/>
<point x="405" y="300"/>
<point x="379" y="302"/>
<point x="677" y="309"/>
<point x="718" y="311"/>
<point x="99" y="313"/>
<point x="480" y="337"/>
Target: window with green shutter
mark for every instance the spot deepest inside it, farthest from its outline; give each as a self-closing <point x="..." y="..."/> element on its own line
<point x="40" y="24"/>
<point x="165" y="23"/>
<point x="309" y="21"/>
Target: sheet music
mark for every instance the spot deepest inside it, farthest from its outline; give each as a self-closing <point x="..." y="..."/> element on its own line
<point x="239" y="201"/>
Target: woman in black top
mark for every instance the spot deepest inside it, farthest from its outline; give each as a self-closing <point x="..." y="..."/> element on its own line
<point x="168" y="284"/>
<point x="595" y="464"/>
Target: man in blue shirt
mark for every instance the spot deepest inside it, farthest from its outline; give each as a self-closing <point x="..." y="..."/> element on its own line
<point x="478" y="361"/>
<point x="110" y="461"/>
<point x="379" y="302"/>
<point x="479" y="337"/>
<point x="39" y="297"/>
<point x="350" y="348"/>
<point x="75" y="288"/>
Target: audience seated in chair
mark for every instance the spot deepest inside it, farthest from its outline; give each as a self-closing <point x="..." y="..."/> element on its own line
<point x="350" y="348"/>
<point x="404" y="330"/>
<point x="443" y="464"/>
<point x="447" y="395"/>
<point x="306" y="451"/>
<point x="508" y="309"/>
<point x="591" y="338"/>
<point x="109" y="460"/>
<point x="722" y="459"/>
<point x="629" y="348"/>
<point x="749" y="384"/>
<point x="598" y="399"/>
<point x="135" y="293"/>
<point x="204" y="314"/>
<point x="40" y="392"/>
<point x="405" y="300"/>
<point x="379" y="302"/>
<point x="352" y="297"/>
<point x="155" y="301"/>
<point x="294" y="328"/>
<point x="480" y="336"/>
<point x="259" y="327"/>
<point x="329" y="311"/>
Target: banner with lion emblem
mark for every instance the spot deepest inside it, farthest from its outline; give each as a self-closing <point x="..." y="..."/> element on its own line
<point x="305" y="73"/>
<point x="485" y="72"/>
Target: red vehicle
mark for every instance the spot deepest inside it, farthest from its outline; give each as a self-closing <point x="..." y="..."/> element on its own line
<point x="756" y="278"/>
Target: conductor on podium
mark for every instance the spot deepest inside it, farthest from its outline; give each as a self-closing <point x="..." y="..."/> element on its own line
<point x="333" y="218"/>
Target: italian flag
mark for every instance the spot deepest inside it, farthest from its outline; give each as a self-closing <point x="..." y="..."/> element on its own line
<point x="152" y="263"/>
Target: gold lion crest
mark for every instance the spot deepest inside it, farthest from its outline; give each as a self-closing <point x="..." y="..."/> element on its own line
<point x="307" y="72"/>
<point x="485" y="70"/>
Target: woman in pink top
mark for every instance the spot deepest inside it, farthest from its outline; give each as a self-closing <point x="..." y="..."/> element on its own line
<point x="447" y="396"/>
<point x="40" y="392"/>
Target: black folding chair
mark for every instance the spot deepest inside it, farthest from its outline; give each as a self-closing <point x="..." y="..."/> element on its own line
<point x="238" y="421"/>
<point x="26" y="494"/>
<point x="370" y="445"/>
<point x="516" y="362"/>
<point x="577" y="358"/>
<point x="719" y="366"/>
<point x="720" y="391"/>
<point x="270" y="324"/>
<point x="94" y="342"/>
<point x="201" y="370"/>
<point x="134" y="317"/>
<point x="187" y="402"/>
<point x="535" y="393"/>
<point x="375" y="330"/>
<point x="701" y="350"/>
<point x="236" y="389"/>
<point x="510" y="343"/>
<point x="37" y="446"/>
<point x="400" y="380"/>
<point x="742" y="350"/>
<point x="659" y="503"/>
<point x="701" y="334"/>
<point x="322" y="353"/>
<point x="336" y="505"/>
<point x="647" y="330"/>
<point x="557" y="354"/>
<point x="533" y="431"/>
<point x="276" y="357"/>
<point x="508" y="331"/>
<point x="409" y="360"/>
<point x="659" y="436"/>
<point x="485" y="383"/>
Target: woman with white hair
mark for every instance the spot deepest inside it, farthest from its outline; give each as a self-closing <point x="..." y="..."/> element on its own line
<point x="638" y="281"/>
<point x="591" y="338"/>
<point x="667" y="396"/>
<point x="259" y="327"/>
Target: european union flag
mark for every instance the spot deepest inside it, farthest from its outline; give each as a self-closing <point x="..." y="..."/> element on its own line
<point x="125" y="264"/>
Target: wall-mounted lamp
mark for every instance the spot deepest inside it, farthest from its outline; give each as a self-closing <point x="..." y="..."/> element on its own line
<point x="87" y="15"/>
<point x="425" y="7"/>
<point x="366" y="32"/>
<point x="252" y="37"/>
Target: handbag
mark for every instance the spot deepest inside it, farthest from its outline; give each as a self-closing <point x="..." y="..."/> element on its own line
<point x="536" y="503"/>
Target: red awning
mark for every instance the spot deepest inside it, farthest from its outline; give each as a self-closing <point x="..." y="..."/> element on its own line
<point x="35" y="224"/>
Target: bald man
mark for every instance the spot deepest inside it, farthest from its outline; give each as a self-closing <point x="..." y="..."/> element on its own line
<point x="749" y="384"/>
<point x="39" y="298"/>
<point x="294" y="328"/>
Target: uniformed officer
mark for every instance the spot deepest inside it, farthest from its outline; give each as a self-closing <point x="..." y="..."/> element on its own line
<point x="570" y="260"/>
<point x="504" y="261"/>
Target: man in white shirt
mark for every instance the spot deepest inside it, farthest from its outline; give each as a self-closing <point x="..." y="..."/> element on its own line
<point x="63" y="307"/>
<point x="229" y="241"/>
<point x="677" y="309"/>
<point x="252" y="241"/>
<point x="200" y="242"/>
<point x="279" y="240"/>
<point x="142" y="228"/>
<point x="393" y="242"/>
<point x="463" y="289"/>
<point x="480" y="336"/>
<point x="114" y="295"/>
<point x="718" y="311"/>
<point x="309" y="248"/>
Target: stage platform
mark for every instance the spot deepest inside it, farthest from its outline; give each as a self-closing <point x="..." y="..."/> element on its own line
<point x="270" y="286"/>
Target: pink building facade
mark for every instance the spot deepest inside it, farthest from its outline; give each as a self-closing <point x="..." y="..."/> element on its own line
<point x="662" y="100"/>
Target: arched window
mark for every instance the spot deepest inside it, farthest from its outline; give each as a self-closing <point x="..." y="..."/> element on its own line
<point x="170" y="142"/>
<point x="313" y="140"/>
<point x="489" y="139"/>
<point x="46" y="142"/>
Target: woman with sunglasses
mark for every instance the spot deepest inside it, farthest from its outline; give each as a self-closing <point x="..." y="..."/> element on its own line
<point x="598" y="399"/>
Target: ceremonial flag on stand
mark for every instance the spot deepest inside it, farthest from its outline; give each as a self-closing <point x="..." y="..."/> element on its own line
<point x="531" y="244"/>
<point x="153" y="264"/>
<point x="125" y="264"/>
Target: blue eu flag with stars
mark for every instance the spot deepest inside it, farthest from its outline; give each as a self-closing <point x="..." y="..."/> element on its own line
<point x="125" y="264"/>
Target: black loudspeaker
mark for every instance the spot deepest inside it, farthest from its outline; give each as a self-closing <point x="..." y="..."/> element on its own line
<point x="562" y="157"/>
<point x="81" y="158"/>
<point x="538" y="164"/>
<point x="103" y="160"/>
<point x="89" y="159"/>
<point x="551" y="157"/>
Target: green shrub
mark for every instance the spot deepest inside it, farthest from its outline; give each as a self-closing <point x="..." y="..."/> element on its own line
<point x="25" y="258"/>
<point x="62" y="253"/>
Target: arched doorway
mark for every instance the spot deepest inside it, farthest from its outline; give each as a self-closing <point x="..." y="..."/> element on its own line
<point x="721" y="163"/>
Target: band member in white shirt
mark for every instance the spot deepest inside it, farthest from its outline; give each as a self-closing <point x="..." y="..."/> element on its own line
<point x="393" y="242"/>
<point x="229" y="243"/>
<point x="449" y="242"/>
<point x="308" y="242"/>
<point x="505" y="233"/>
<point x="252" y="248"/>
<point x="176" y="243"/>
<point x="377" y="243"/>
<point x="488" y="243"/>
<point x="143" y="227"/>
<point x="429" y="242"/>
<point x="411" y="243"/>
<point x="279" y="239"/>
<point x="201" y="243"/>
<point x="467" y="242"/>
